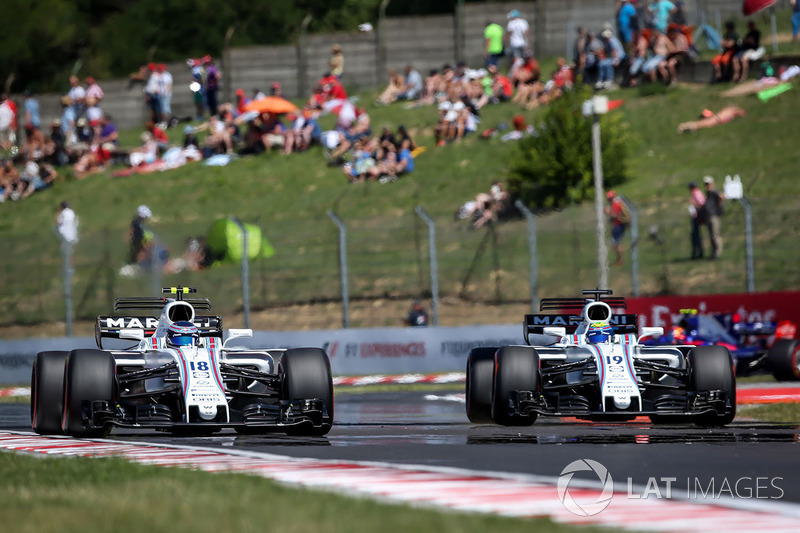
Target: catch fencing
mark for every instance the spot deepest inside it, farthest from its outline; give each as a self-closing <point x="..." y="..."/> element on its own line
<point x="389" y="257"/>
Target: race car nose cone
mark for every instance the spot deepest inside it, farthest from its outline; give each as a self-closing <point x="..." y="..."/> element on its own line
<point x="620" y="402"/>
<point x="208" y="412"/>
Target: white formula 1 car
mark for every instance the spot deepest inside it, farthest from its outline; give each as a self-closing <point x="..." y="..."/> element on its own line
<point x="592" y="366"/>
<point x="179" y="377"/>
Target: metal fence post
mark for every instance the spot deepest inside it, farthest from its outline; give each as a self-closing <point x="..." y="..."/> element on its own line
<point x="434" y="263"/>
<point x="342" y="267"/>
<point x="68" y="271"/>
<point x="534" y="270"/>
<point x="748" y="236"/>
<point x="634" y="245"/>
<point x="245" y="274"/>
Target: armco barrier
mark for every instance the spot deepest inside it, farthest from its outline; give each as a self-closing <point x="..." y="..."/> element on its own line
<point x="352" y="351"/>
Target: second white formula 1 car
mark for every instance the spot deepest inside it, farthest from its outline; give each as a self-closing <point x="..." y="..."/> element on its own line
<point x="591" y="365"/>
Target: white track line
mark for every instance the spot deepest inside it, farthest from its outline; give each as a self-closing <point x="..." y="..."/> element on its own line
<point x="451" y="488"/>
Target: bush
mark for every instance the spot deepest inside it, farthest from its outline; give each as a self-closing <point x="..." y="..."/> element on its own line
<point x="554" y="168"/>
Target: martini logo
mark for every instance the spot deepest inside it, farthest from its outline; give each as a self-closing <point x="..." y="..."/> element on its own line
<point x="590" y="503"/>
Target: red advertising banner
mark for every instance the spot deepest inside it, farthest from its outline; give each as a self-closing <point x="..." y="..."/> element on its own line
<point x="753" y="307"/>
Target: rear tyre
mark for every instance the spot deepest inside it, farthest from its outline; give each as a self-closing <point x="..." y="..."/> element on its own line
<point x="516" y="368"/>
<point x="480" y="375"/>
<point x="306" y="374"/>
<point x="47" y="392"/>
<point x="783" y="359"/>
<point x="88" y="376"/>
<point x="711" y="368"/>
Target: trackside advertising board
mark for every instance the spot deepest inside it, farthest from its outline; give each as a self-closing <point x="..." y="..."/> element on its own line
<point x="425" y="350"/>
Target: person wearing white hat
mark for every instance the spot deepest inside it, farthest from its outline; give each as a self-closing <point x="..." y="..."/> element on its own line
<point x="137" y="236"/>
<point x="518" y="34"/>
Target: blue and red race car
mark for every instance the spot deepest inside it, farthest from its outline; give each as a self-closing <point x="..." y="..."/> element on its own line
<point x="756" y="346"/>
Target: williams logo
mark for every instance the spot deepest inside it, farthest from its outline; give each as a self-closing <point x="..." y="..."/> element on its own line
<point x="595" y="504"/>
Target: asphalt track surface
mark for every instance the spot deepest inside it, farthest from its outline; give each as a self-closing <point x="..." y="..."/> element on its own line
<point x="430" y="428"/>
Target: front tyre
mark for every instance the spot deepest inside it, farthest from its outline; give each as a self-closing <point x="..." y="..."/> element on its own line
<point x="47" y="392"/>
<point x="88" y="376"/>
<point x="516" y="368"/>
<point x="710" y="369"/>
<point x="480" y="375"/>
<point x="783" y="359"/>
<point x="306" y="374"/>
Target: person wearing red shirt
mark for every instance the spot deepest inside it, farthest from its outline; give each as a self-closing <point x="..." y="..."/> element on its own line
<point x="618" y="213"/>
<point x="159" y="135"/>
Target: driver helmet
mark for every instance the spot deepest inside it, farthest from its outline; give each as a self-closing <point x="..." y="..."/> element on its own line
<point x="599" y="332"/>
<point x="182" y="333"/>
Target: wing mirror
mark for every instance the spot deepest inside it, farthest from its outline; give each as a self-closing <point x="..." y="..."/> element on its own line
<point x="237" y="334"/>
<point x="652" y="331"/>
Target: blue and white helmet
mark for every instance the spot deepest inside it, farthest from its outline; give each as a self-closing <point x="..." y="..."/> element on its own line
<point x="599" y="332"/>
<point x="182" y="333"/>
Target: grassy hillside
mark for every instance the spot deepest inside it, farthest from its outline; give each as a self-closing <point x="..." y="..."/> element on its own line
<point x="289" y="196"/>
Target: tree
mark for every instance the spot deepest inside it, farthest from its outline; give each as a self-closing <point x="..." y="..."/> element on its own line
<point x="553" y="168"/>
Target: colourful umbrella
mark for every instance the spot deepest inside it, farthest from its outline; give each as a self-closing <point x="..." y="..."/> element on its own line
<point x="271" y="104"/>
<point x="754" y="6"/>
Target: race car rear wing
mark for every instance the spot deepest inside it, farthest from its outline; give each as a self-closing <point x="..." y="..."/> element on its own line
<point x="537" y="323"/>
<point x="109" y="327"/>
<point x="155" y="302"/>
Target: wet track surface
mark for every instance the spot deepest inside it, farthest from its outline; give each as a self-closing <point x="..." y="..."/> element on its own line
<point x="429" y="428"/>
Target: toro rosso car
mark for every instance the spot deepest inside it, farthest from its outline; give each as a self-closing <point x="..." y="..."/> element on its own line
<point x="590" y="364"/>
<point x="179" y="377"/>
<point x="748" y="342"/>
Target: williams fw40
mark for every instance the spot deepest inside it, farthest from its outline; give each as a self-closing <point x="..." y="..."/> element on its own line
<point x="180" y="377"/>
<point x="590" y="364"/>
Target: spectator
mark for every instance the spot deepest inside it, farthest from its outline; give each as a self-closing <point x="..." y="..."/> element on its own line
<point x="31" y="105"/>
<point x="696" y="201"/>
<point x="748" y="51"/>
<point x="92" y="161"/>
<point x="158" y="135"/>
<point x="639" y="48"/>
<point x="412" y="89"/>
<point x="336" y="62"/>
<point x="492" y="43"/>
<point x="8" y="130"/>
<point x="94" y="116"/>
<point x="258" y="94"/>
<point x="661" y="11"/>
<point x="67" y="227"/>
<point x="77" y="95"/>
<point x="517" y="34"/>
<point x="146" y="153"/>
<point x="108" y="131"/>
<point x="712" y="209"/>
<point x="34" y="146"/>
<point x="165" y="90"/>
<point x="274" y="90"/>
<point x="657" y="64"/>
<point x="417" y="316"/>
<point x="37" y="177"/>
<point x="502" y="89"/>
<point x="396" y="85"/>
<point x="627" y="21"/>
<point x="212" y="84"/>
<point x="612" y="54"/>
<point x="711" y="119"/>
<point x="682" y="48"/>
<point x="94" y="90"/>
<point x="152" y="91"/>
<point x="137" y="237"/>
<point x="10" y="183"/>
<point x="619" y="216"/>
<point x="725" y="68"/>
<point x="795" y="20"/>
